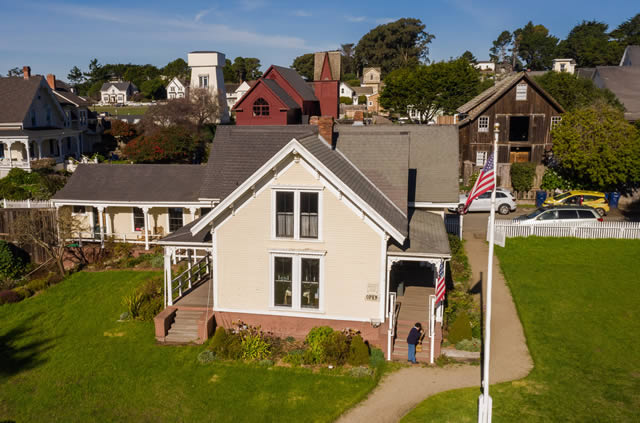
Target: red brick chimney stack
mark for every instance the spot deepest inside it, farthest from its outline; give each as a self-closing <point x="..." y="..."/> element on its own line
<point x="325" y="127"/>
<point x="51" y="80"/>
<point x="26" y="72"/>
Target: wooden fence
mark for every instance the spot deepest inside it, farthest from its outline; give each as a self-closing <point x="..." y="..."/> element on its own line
<point x="611" y="229"/>
<point x="8" y="229"/>
<point x="27" y="204"/>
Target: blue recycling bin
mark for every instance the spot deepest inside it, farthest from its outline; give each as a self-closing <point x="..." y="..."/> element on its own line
<point x="540" y="197"/>
<point x="614" y="198"/>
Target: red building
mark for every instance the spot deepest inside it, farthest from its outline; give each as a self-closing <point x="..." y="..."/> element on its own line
<point x="282" y="97"/>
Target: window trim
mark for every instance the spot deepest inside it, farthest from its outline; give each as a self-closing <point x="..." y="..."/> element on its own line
<point x="485" y="155"/>
<point x="264" y="108"/>
<point x="482" y="128"/>
<point x="519" y="95"/>
<point x="296" y="212"/>
<point x="296" y="280"/>
<point x="555" y="120"/>
<point x="201" y="78"/>
<point x="133" y="220"/>
<point x="169" y="218"/>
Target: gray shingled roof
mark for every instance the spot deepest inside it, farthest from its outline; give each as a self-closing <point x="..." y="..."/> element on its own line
<point x="362" y="90"/>
<point x="280" y="93"/>
<point x="183" y="235"/>
<point x="624" y="82"/>
<point x="586" y="73"/>
<point x="63" y="90"/>
<point x="122" y="86"/>
<point x="16" y="95"/>
<point x="631" y="56"/>
<point x="296" y="81"/>
<point x="427" y="236"/>
<point x="135" y="182"/>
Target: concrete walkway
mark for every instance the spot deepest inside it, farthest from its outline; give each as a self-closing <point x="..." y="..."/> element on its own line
<point x="400" y="392"/>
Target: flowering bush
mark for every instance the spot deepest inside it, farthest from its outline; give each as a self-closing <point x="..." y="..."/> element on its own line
<point x="171" y="144"/>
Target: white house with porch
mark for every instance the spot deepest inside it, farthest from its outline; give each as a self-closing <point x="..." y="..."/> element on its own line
<point x="177" y="88"/>
<point x="117" y="92"/>
<point x="33" y="125"/>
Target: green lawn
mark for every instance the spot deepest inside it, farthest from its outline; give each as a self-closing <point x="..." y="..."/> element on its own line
<point x="579" y="303"/>
<point x="64" y="357"/>
<point x="124" y="110"/>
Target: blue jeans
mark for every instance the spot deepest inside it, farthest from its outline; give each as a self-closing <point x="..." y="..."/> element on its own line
<point x="412" y="353"/>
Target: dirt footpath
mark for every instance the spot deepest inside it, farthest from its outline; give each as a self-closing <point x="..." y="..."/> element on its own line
<point x="400" y="392"/>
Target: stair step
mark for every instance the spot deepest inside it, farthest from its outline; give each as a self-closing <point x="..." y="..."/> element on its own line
<point x="182" y="326"/>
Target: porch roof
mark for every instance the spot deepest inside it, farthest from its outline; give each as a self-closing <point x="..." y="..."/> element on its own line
<point x="184" y="235"/>
<point x="427" y="236"/>
<point x="37" y="133"/>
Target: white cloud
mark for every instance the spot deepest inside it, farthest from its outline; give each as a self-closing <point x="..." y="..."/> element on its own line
<point x="368" y="19"/>
<point x="356" y="18"/>
<point x="301" y="13"/>
<point x="201" y="14"/>
<point x="381" y="21"/>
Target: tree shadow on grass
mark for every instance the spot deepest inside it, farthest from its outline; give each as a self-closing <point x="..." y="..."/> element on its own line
<point x="21" y="349"/>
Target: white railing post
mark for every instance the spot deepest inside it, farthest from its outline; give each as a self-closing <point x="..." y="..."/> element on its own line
<point x="391" y="317"/>
<point x="168" y="278"/>
<point x="432" y="326"/>
<point x="189" y="265"/>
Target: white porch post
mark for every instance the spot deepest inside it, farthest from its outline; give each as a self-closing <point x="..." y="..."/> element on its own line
<point x="167" y="276"/>
<point x="9" y="143"/>
<point x="192" y="210"/>
<point x="100" y="217"/>
<point x="39" y="142"/>
<point x="59" y="141"/>
<point x="26" y="143"/>
<point x="145" y="211"/>
<point x="189" y="265"/>
<point x="109" y="230"/>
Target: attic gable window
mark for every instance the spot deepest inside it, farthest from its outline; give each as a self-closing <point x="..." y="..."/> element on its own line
<point x="261" y="107"/>
<point x="521" y="92"/>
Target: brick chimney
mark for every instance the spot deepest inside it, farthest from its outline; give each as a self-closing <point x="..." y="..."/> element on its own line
<point x="51" y="80"/>
<point x="358" y="118"/>
<point x="26" y="72"/>
<point x="325" y="127"/>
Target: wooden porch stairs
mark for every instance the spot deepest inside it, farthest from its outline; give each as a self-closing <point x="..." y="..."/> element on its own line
<point x="414" y="307"/>
<point x="184" y="329"/>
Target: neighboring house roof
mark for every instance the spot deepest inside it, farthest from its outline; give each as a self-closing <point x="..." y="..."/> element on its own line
<point x="39" y="132"/>
<point x="281" y="93"/>
<point x="137" y="183"/>
<point x="122" y="86"/>
<point x="485" y="99"/>
<point x="586" y="73"/>
<point x="631" y="56"/>
<point x="376" y="69"/>
<point x="17" y="95"/>
<point x="624" y="82"/>
<point x="184" y="235"/>
<point x="427" y="236"/>
<point x="297" y="83"/>
<point x="363" y="90"/>
<point x="63" y="91"/>
<point x="230" y="88"/>
<point x="179" y="80"/>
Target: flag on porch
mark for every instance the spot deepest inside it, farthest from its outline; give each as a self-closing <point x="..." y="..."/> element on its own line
<point x="441" y="287"/>
<point x="486" y="182"/>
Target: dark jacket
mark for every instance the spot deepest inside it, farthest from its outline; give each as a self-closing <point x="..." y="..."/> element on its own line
<point x="414" y="336"/>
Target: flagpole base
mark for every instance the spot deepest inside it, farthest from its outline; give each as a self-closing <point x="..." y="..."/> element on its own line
<point x="485" y="405"/>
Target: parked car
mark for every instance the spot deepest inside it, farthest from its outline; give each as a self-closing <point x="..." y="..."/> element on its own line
<point x="594" y="199"/>
<point x="505" y="202"/>
<point x="561" y="214"/>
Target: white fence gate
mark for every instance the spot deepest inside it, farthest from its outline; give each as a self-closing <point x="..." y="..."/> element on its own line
<point x="595" y="230"/>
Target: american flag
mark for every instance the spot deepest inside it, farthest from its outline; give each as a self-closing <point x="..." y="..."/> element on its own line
<point x="486" y="182"/>
<point x="441" y="287"/>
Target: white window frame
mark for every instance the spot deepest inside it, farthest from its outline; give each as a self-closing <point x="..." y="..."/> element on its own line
<point x="483" y="124"/>
<point x="79" y="213"/>
<point x="481" y="158"/>
<point x="133" y="220"/>
<point x="520" y="95"/>
<point x="201" y="78"/>
<point x="555" y="120"/>
<point x="169" y="218"/>
<point x="296" y="212"/>
<point x="296" y="282"/>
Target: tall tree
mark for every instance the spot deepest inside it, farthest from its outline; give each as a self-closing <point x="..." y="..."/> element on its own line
<point x="595" y="147"/>
<point x="304" y="65"/>
<point x="14" y="72"/>
<point x="573" y="92"/>
<point x="75" y="76"/>
<point x="394" y="45"/>
<point x="628" y="32"/>
<point x="178" y="68"/>
<point x="588" y="43"/>
<point x="469" y="57"/>
<point x="228" y="73"/>
<point x="247" y="68"/>
<point x="536" y="47"/>
<point x="347" y="51"/>
<point x="499" y="53"/>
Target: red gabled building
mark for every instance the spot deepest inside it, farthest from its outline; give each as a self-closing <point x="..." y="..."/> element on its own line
<point x="282" y="97"/>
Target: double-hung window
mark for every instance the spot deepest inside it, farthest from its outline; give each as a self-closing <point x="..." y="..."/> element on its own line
<point x="296" y="281"/>
<point x="297" y="214"/>
<point x="138" y="219"/>
<point x="204" y="81"/>
<point x="175" y="218"/>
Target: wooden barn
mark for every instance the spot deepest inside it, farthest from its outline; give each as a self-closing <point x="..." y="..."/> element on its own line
<point x="526" y="114"/>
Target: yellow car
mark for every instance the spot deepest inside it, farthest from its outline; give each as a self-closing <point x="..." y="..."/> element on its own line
<point x="594" y="199"/>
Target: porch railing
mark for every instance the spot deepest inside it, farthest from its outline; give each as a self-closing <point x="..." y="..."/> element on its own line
<point x="194" y="273"/>
<point x="392" y="317"/>
<point x="27" y="204"/>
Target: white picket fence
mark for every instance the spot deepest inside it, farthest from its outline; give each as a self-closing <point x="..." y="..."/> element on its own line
<point x="27" y="204"/>
<point x="610" y="229"/>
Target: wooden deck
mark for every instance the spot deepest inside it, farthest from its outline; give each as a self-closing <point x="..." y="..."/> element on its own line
<point x="197" y="296"/>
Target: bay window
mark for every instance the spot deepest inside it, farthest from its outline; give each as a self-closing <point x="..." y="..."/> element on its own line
<point x="296" y="281"/>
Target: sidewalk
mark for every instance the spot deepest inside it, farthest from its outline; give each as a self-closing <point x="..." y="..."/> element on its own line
<point x="400" y="392"/>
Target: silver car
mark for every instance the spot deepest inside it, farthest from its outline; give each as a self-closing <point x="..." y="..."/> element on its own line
<point x="561" y="214"/>
<point x="505" y="202"/>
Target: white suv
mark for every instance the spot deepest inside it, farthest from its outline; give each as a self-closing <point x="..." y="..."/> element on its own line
<point x="505" y="202"/>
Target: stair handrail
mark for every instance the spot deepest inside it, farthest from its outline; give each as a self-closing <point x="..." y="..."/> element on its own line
<point x="194" y="274"/>
<point x="392" y="317"/>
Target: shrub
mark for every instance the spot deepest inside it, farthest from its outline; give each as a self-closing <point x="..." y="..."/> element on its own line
<point x="358" y="352"/>
<point x="336" y="348"/>
<point x="9" y="296"/>
<point x="157" y="261"/>
<point x="37" y="285"/>
<point x="551" y="181"/>
<point x="266" y="363"/>
<point x="346" y="100"/>
<point x="206" y="356"/>
<point x="473" y="344"/>
<point x="362" y="99"/>
<point x="377" y="358"/>
<point x="360" y="372"/>
<point x="459" y="264"/>
<point x="218" y="342"/>
<point x="23" y="292"/>
<point x="133" y="302"/>
<point x="522" y="175"/>
<point x="460" y="329"/>
<point x="234" y="348"/>
<point x="12" y="260"/>
<point x="150" y="308"/>
<point x="294" y="357"/>
<point x="255" y="347"/>
<point x="316" y="339"/>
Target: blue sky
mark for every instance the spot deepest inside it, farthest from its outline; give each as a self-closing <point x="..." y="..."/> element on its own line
<point x="52" y="36"/>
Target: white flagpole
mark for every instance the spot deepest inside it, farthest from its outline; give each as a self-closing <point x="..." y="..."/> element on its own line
<point x="484" y="402"/>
